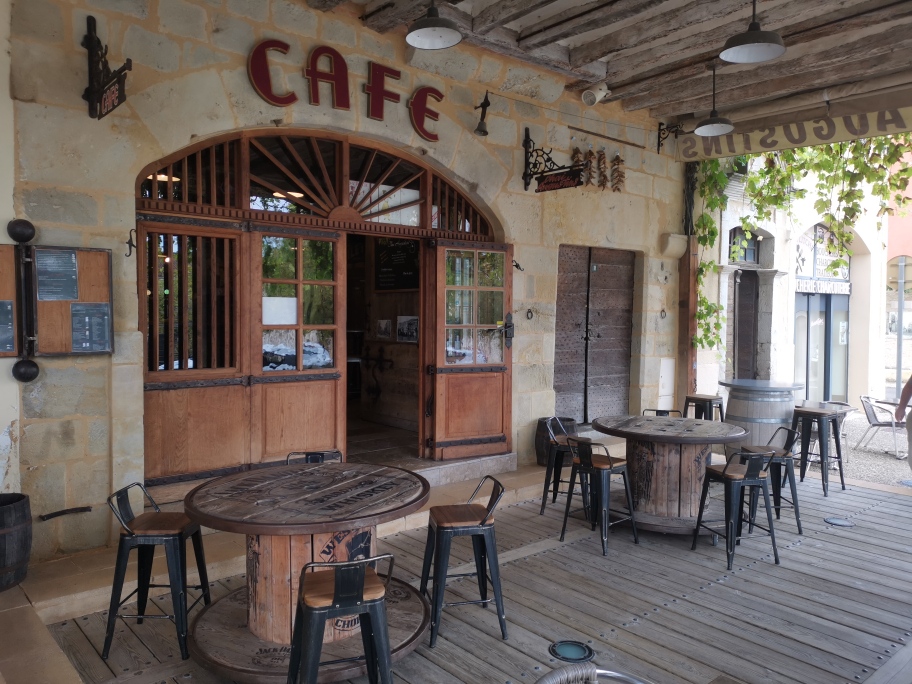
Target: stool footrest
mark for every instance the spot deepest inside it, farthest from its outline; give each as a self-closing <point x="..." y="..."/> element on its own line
<point x="146" y="617"/>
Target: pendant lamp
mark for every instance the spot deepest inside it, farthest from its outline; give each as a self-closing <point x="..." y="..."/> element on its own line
<point x="715" y="124"/>
<point x="433" y="32"/>
<point x="753" y="46"/>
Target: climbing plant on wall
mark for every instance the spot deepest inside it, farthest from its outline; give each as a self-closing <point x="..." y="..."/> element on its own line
<point x="843" y="175"/>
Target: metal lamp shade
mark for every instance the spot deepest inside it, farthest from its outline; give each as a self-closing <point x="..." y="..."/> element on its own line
<point x="753" y="46"/>
<point x="714" y="125"/>
<point x="433" y="32"/>
<point x="482" y="128"/>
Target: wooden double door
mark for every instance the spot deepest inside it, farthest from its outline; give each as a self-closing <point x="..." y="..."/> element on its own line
<point x="245" y="344"/>
<point x="594" y="328"/>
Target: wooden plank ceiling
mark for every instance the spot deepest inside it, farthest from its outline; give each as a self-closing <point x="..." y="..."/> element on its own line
<point x="843" y="56"/>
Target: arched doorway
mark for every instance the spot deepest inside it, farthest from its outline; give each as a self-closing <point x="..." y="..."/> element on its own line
<point x="251" y="249"/>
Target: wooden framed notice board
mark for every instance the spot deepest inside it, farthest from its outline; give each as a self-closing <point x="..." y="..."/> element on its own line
<point x="70" y="301"/>
<point x="9" y="330"/>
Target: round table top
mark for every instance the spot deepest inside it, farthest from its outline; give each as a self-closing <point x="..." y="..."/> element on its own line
<point x="669" y="430"/>
<point x="761" y="385"/>
<point x="307" y="498"/>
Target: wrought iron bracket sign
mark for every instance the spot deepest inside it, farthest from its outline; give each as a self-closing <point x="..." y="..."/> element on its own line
<point x="665" y="132"/>
<point x="107" y="89"/>
<point x="547" y="173"/>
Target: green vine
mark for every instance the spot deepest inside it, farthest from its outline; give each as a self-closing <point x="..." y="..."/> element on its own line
<point x="844" y="175"/>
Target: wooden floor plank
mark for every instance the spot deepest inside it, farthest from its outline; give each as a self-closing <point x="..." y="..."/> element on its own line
<point x="80" y="652"/>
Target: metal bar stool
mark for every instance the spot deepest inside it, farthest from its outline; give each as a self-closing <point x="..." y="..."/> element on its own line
<point x="742" y="471"/>
<point x="457" y="520"/>
<point x="703" y="405"/>
<point x="663" y="413"/>
<point x="825" y="419"/>
<point x="352" y="588"/>
<point x="783" y="460"/>
<point x="595" y="471"/>
<point x="557" y="450"/>
<point x="143" y="532"/>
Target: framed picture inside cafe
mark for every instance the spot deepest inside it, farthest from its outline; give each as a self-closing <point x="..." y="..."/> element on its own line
<point x="71" y="301"/>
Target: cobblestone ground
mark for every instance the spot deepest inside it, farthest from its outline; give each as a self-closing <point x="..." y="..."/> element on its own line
<point x="876" y="462"/>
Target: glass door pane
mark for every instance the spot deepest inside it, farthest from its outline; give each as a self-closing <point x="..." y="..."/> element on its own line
<point x="816" y="348"/>
<point x="839" y="347"/>
<point x="801" y="339"/>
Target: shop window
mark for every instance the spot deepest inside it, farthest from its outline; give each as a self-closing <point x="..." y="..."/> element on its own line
<point x="299" y="304"/>
<point x="743" y="248"/>
<point x="293" y="175"/>
<point x="474" y="307"/>
<point x="452" y="212"/>
<point x="191" y="301"/>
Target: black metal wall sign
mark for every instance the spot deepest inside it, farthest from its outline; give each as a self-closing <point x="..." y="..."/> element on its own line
<point x="107" y="89"/>
<point x="549" y="176"/>
<point x="558" y="180"/>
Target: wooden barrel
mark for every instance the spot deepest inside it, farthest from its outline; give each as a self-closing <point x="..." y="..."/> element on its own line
<point x="761" y="411"/>
<point x="542" y="439"/>
<point x="15" y="538"/>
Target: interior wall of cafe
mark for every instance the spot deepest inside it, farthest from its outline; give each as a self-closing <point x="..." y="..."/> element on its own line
<point x="778" y="255"/>
<point x="80" y="426"/>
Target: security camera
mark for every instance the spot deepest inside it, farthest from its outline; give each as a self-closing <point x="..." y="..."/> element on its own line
<point x="595" y="94"/>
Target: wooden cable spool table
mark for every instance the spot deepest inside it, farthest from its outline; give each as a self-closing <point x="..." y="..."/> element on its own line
<point x="666" y="464"/>
<point x="292" y="515"/>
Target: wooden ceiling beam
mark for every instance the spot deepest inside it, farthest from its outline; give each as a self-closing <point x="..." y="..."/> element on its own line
<point x="795" y="17"/>
<point x="324" y="5"/>
<point x="384" y="15"/>
<point x="595" y="15"/>
<point x="503" y="41"/>
<point x="763" y="78"/>
<point x="882" y="64"/>
<point x="505" y="11"/>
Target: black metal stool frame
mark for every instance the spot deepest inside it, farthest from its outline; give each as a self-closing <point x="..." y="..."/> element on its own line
<point x="823" y="430"/>
<point x="756" y="463"/>
<point x="556" y="454"/>
<point x="704" y="409"/>
<point x="484" y="545"/>
<point x="348" y="599"/>
<point x="777" y="464"/>
<point x="176" y="558"/>
<point x="596" y="483"/>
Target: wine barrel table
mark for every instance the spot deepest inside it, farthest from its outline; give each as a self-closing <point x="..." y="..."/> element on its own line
<point x="666" y="464"/>
<point x="293" y="515"/>
<point x="760" y="406"/>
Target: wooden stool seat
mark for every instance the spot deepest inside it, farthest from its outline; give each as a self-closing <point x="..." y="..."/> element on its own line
<point x="782" y="469"/>
<point x="319" y="588"/>
<point x="459" y="515"/>
<point x="757" y="449"/>
<point x="735" y="472"/>
<point x="600" y="462"/>
<point x="704" y="406"/>
<point x="159" y="523"/>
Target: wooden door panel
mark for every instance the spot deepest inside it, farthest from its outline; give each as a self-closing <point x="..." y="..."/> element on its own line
<point x="196" y="429"/>
<point x="473" y="405"/>
<point x="298" y="416"/>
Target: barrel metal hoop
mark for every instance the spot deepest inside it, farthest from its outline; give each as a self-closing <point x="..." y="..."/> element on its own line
<point x="14" y="567"/>
<point x="15" y="528"/>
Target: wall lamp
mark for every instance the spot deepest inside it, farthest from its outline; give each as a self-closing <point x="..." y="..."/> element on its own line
<point x="482" y="127"/>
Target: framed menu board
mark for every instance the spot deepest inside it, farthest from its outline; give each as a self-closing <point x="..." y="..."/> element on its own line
<point x="396" y="264"/>
<point x="9" y="333"/>
<point x="72" y="301"/>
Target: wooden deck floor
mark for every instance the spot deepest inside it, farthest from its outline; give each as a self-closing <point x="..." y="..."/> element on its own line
<point x="836" y="609"/>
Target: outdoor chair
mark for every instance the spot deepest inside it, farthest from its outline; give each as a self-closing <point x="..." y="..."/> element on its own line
<point x="663" y="413"/>
<point x="144" y="532"/>
<point x="783" y="460"/>
<point x="595" y="471"/>
<point x="557" y="451"/>
<point x="458" y="520"/>
<point x="586" y="673"/>
<point x="879" y="417"/>
<point x="742" y="471"/>
<point x="343" y="588"/>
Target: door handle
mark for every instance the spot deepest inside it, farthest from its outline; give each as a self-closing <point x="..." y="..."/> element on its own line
<point x="508" y="330"/>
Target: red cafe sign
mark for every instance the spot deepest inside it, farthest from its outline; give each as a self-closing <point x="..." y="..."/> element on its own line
<point x="336" y="75"/>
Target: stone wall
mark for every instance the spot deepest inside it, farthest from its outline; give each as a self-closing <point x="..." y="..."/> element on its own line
<point x="82" y="420"/>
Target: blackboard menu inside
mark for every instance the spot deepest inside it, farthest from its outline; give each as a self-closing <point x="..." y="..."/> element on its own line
<point x="396" y="264"/>
<point x="7" y="332"/>
<point x="91" y="327"/>
<point x="56" y="274"/>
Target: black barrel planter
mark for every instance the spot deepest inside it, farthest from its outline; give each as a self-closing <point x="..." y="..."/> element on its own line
<point x="542" y="438"/>
<point x="15" y="539"/>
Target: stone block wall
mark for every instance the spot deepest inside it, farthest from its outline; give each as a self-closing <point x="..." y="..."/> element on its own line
<point x="82" y="421"/>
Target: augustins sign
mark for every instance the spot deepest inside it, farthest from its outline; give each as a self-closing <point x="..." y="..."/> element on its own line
<point x="334" y="71"/>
